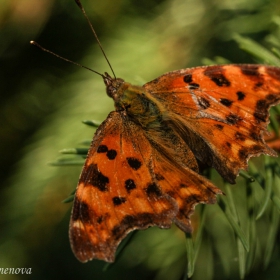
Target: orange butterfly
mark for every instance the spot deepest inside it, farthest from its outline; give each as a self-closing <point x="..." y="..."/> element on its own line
<point x="142" y="168"/>
<point x="143" y="164"/>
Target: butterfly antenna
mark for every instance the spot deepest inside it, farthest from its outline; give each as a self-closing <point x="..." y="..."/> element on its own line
<point x="95" y="35"/>
<point x="65" y="59"/>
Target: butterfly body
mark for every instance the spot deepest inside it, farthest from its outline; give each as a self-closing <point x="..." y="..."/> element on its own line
<point x="135" y="101"/>
<point x="142" y="168"/>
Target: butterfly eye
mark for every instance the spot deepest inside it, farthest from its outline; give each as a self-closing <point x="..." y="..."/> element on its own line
<point x="111" y="91"/>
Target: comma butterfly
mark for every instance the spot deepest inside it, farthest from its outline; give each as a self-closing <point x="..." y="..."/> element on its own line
<point x="142" y="168"/>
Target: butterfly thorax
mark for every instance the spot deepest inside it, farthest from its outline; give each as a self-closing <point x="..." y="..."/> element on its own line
<point x="135" y="101"/>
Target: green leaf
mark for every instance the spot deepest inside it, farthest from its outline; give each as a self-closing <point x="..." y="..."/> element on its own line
<point x="232" y="215"/>
<point x="251" y="227"/>
<point x="274" y="123"/>
<point x="256" y="50"/>
<point x="74" y="151"/>
<point x="241" y="259"/>
<point x="232" y="220"/>
<point x="67" y="162"/>
<point x="216" y="60"/>
<point x="190" y="254"/>
<point x="267" y="188"/>
<point x="92" y="123"/>
<point x="247" y="176"/>
<point x="199" y="233"/>
<point x="271" y="236"/>
<point x="69" y="199"/>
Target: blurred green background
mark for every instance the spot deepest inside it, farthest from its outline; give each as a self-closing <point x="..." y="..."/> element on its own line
<point x="44" y="100"/>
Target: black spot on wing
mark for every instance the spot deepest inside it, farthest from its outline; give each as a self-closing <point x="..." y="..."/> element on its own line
<point x="102" y="149"/>
<point x="226" y="102"/>
<point x="193" y="86"/>
<point x="250" y="70"/>
<point x="255" y="136"/>
<point x="215" y="73"/>
<point x="203" y="103"/>
<point x="240" y="95"/>
<point x="243" y="152"/>
<point x="219" y="126"/>
<point x="129" y="185"/>
<point x="256" y="149"/>
<point x="262" y="106"/>
<point x="118" y="200"/>
<point x="111" y="154"/>
<point x="188" y="78"/>
<point x="153" y="190"/>
<point x="221" y="81"/>
<point x="92" y="176"/>
<point x="134" y="163"/>
<point x="100" y="219"/>
<point x="232" y="118"/>
<point x="228" y="144"/>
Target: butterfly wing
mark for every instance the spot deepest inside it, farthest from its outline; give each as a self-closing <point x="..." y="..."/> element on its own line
<point x="220" y="111"/>
<point x="127" y="184"/>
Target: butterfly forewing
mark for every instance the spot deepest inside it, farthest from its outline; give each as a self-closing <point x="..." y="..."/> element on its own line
<point x="225" y="109"/>
<point x="117" y="192"/>
<point x="128" y="182"/>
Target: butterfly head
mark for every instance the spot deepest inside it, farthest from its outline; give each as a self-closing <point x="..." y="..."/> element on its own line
<point x="112" y="85"/>
<point x="115" y="87"/>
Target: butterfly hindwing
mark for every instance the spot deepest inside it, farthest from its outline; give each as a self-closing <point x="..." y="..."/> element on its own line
<point x="223" y="109"/>
<point x="185" y="186"/>
<point x="176" y="170"/>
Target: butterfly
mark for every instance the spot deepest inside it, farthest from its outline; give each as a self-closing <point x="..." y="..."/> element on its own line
<point x="143" y="165"/>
